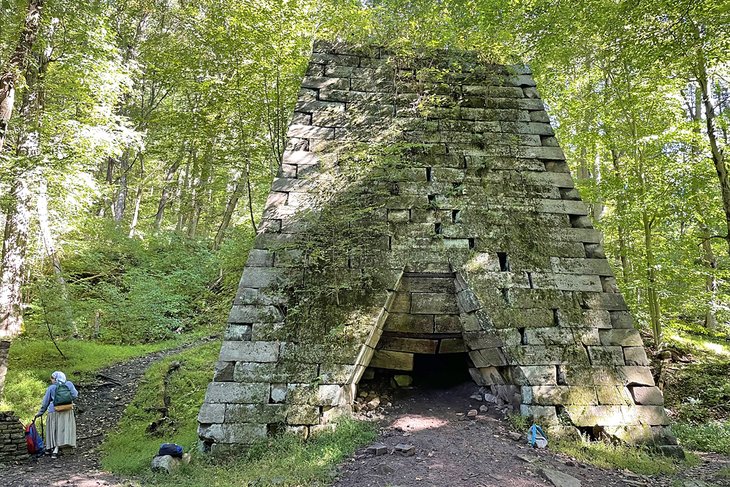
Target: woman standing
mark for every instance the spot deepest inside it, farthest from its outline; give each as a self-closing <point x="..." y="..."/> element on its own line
<point x="61" y="425"/>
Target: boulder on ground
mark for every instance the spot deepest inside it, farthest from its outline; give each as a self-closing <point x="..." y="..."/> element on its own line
<point x="168" y="463"/>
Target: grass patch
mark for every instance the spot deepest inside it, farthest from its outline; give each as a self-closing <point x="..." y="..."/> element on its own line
<point x="284" y="460"/>
<point x="129" y="450"/>
<point x="713" y="436"/>
<point x="636" y="459"/>
<point x="32" y="362"/>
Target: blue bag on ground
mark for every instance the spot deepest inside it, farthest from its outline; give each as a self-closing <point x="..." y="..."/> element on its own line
<point x="536" y="437"/>
<point x="171" y="449"/>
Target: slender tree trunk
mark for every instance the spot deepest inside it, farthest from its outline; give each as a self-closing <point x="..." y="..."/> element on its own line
<point x="711" y="285"/>
<point x="50" y="246"/>
<point x="166" y="189"/>
<point x="228" y="214"/>
<point x="718" y="157"/>
<point x="119" y="205"/>
<point x="137" y="198"/>
<point x="621" y="227"/>
<point x="651" y="289"/>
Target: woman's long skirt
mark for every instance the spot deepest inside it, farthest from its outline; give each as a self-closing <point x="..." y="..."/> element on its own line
<point x="61" y="429"/>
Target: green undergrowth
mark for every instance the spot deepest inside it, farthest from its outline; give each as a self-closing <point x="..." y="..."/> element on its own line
<point x="633" y="458"/>
<point x="283" y="460"/>
<point x="713" y="436"/>
<point x="129" y="449"/>
<point x="33" y="361"/>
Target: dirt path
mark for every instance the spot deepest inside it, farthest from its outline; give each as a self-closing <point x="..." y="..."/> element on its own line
<point x="98" y="410"/>
<point x="451" y="450"/>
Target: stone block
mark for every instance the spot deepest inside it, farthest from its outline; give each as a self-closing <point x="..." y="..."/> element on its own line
<point x="447" y="324"/>
<point x="622" y="320"/>
<point x="489" y="357"/>
<point x="561" y="336"/>
<point x="606" y="355"/>
<point x="330" y="395"/>
<point x="564" y="265"/>
<point x="476" y="340"/>
<point x="259" y="277"/>
<point x="635" y="356"/>
<point x="255" y="413"/>
<point x="269" y="332"/>
<point x="486" y="376"/>
<point x="248" y="313"/>
<point x="614" y="395"/>
<point x="260" y="258"/>
<point x="336" y="373"/>
<point x="650" y="396"/>
<point x="237" y="333"/>
<point x="604" y="301"/>
<point x="249" y="351"/>
<point x="433" y="303"/>
<point x="278" y="393"/>
<point x="540" y="414"/>
<point x="237" y="393"/>
<point x="325" y="82"/>
<point x="212" y="413"/>
<point x="636" y="375"/>
<point x="302" y="415"/>
<point x="274" y="372"/>
<point x="403" y="322"/>
<point x="452" y="345"/>
<point x="385" y="359"/>
<point x="547" y="355"/>
<point x="534" y="375"/>
<point x="467" y="301"/>
<point x="413" y="345"/>
<point x="400" y="303"/>
<point x="559" y="395"/>
<point x="224" y="371"/>
<point x="242" y="434"/>
<point x="624" y="337"/>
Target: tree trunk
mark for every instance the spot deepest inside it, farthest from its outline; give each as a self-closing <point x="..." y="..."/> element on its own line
<point x="50" y="245"/>
<point x="18" y="64"/>
<point x="621" y="229"/>
<point x="165" y="196"/>
<point x="119" y="205"/>
<point x="138" y="198"/>
<point x="711" y="284"/>
<point x="228" y="214"/>
<point x="718" y="157"/>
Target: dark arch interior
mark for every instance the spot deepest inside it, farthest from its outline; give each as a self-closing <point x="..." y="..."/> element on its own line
<point x="441" y="371"/>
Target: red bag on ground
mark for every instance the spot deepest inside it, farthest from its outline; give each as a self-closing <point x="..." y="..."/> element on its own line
<point x="33" y="439"/>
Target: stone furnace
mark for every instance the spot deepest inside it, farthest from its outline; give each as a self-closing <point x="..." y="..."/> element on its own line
<point x="424" y="207"/>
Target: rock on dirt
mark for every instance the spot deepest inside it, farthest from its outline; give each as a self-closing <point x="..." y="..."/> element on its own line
<point x="559" y="479"/>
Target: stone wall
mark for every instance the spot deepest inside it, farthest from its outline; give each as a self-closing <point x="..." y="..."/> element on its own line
<point x="12" y="439"/>
<point x="425" y="195"/>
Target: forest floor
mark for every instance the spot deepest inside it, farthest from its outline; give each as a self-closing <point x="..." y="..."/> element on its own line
<point x="448" y="448"/>
<point x="98" y="409"/>
<point x="452" y="450"/>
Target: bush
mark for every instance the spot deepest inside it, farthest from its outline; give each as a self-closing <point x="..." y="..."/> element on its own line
<point x="713" y="436"/>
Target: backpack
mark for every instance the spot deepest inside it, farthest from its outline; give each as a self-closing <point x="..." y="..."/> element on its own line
<point x="62" y="395"/>
<point x="170" y="449"/>
<point x="536" y="437"/>
<point x="33" y="440"/>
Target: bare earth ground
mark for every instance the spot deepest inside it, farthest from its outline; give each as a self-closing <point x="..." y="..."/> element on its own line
<point x="98" y="409"/>
<point x="451" y="450"/>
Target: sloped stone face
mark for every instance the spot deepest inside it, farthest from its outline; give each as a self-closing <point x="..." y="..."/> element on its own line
<point x="423" y="206"/>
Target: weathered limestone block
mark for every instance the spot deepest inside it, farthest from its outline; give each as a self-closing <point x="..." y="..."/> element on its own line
<point x="260" y="258"/>
<point x="486" y="376"/>
<point x="246" y="313"/>
<point x="614" y="395"/>
<point x="237" y="332"/>
<point x="242" y="433"/>
<point x="561" y="336"/>
<point x="212" y="413"/>
<point x="559" y="395"/>
<point x="255" y="413"/>
<point x="608" y="375"/>
<point x="623" y="337"/>
<point x="606" y="355"/>
<point x="545" y="415"/>
<point x="635" y="356"/>
<point x="598" y="267"/>
<point x="433" y="303"/>
<point x="274" y="372"/>
<point x="249" y="351"/>
<point x="533" y="375"/>
<point x="604" y="301"/>
<point x="651" y="396"/>
<point x="302" y="415"/>
<point x="547" y="355"/>
<point x="414" y="345"/>
<point x="392" y="360"/>
<point x="259" y="277"/>
<point x="476" y="340"/>
<point x="452" y="345"/>
<point x="236" y="393"/>
<point x="488" y="357"/>
<point x="447" y="324"/>
<point x="622" y="319"/>
<point x="269" y="332"/>
<point x="336" y="373"/>
<point x="224" y="371"/>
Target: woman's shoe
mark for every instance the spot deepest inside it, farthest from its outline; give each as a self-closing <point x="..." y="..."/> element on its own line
<point x="54" y="455"/>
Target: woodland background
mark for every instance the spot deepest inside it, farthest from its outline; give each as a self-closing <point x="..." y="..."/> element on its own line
<point x="145" y="135"/>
